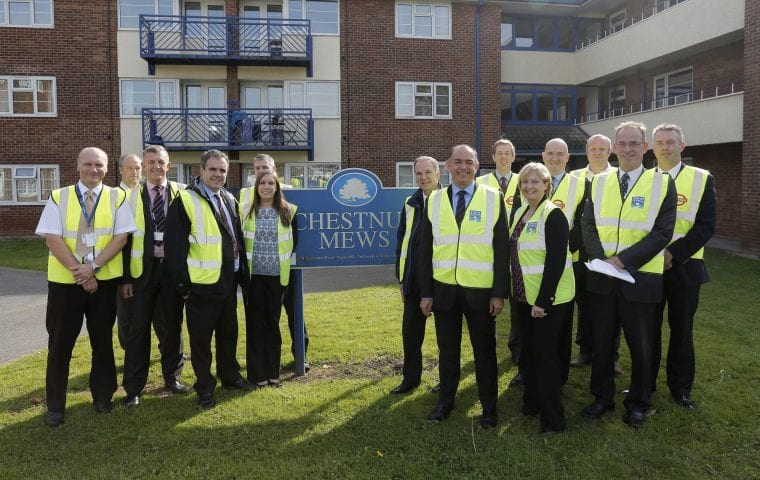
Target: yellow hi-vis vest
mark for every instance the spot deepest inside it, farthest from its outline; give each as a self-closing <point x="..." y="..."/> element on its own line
<point x="409" y="212"/>
<point x="138" y="236"/>
<point x="690" y="185"/>
<point x="70" y="212"/>
<point x="464" y="255"/>
<point x="284" y="243"/>
<point x="204" y="259"/>
<point x="568" y="197"/>
<point x="512" y="185"/>
<point x="531" y="253"/>
<point x="246" y="201"/>
<point x="621" y="224"/>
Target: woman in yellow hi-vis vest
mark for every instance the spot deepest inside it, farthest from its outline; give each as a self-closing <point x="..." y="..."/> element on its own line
<point x="271" y="235"/>
<point x="543" y="287"/>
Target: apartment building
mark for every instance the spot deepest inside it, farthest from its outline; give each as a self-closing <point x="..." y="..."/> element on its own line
<point x="327" y="84"/>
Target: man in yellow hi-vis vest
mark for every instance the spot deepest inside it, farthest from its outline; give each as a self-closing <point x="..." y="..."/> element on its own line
<point x="205" y="254"/>
<point x="85" y="227"/>
<point x="130" y="169"/>
<point x="685" y="269"/>
<point x="463" y="270"/>
<point x="627" y="222"/>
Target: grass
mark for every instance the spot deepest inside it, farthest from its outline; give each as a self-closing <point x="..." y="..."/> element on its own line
<point x="29" y="254"/>
<point x="340" y="422"/>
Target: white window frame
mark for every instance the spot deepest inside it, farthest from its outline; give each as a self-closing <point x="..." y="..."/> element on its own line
<point x="666" y="101"/>
<point x="618" y="24"/>
<point x="33" y="89"/>
<point x="154" y="12"/>
<point x="433" y="24"/>
<point x="286" y="14"/>
<point x="5" y="17"/>
<point x="310" y="166"/>
<point x="292" y="102"/>
<point x="175" y="100"/>
<point x="35" y="176"/>
<point x="433" y="86"/>
<point x="445" y="179"/>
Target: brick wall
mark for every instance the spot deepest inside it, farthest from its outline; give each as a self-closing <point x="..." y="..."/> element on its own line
<point x="750" y="178"/>
<point x="373" y="60"/>
<point x="80" y="52"/>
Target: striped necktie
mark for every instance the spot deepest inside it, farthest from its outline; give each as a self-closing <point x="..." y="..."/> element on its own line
<point x="157" y="210"/>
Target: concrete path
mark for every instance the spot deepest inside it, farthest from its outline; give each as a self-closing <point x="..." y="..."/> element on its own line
<point x="23" y="300"/>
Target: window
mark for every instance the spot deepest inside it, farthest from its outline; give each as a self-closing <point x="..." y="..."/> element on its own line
<point x="130" y="10"/>
<point x="313" y="175"/>
<point x="423" y="20"/>
<point x="538" y="103"/>
<point x="547" y="33"/>
<point x="617" y="21"/>
<point x="673" y="88"/>
<point x="26" y="13"/>
<point x="27" y="183"/>
<point x="139" y="94"/>
<point x="617" y="101"/>
<point x="423" y="100"/>
<point x="405" y="177"/>
<point x="26" y="96"/>
<point x="322" y="97"/>
<point x="322" y="13"/>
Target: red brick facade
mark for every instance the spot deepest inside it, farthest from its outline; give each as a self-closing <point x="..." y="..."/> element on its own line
<point x="749" y="216"/>
<point x="80" y="52"/>
<point x="374" y="59"/>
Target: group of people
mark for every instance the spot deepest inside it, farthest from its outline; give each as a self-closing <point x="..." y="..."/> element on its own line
<point x="527" y="237"/>
<point x="151" y="249"/>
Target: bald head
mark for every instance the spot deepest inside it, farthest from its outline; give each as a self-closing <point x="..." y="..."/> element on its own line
<point x="92" y="165"/>
<point x="555" y="156"/>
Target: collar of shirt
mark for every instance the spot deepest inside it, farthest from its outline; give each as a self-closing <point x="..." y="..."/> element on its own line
<point x="672" y="172"/>
<point x="590" y="174"/>
<point x="633" y="175"/>
<point x="557" y="179"/>
<point x="469" y="191"/>
<point x="127" y="188"/>
<point x="500" y="176"/>
<point x="150" y="186"/>
<point x="84" y="189"/>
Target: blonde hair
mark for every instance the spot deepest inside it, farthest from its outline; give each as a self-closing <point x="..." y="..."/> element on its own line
<point x="542" y="172"/>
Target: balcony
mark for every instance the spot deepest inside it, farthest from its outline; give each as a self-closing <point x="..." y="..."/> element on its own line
<point x="167" y="39"/>
<point x="229" y="129"/>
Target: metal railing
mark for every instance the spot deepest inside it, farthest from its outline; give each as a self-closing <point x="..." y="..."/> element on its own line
<point x="661" y="102"/>
<point x="229" y="129"/>
<point x="164" y="37"/>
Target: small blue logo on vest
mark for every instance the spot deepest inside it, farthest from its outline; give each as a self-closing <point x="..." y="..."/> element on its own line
<point x="354" y="187"/>
<point x="637" y="202"/>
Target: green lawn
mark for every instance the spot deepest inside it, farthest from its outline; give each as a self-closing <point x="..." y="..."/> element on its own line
<point x="340" y="422"/>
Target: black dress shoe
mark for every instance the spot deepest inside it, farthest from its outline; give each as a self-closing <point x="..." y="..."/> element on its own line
<point x="596" y="410"/>
<point x="634" y="418"/>
<point x="132" y="401"/>
<point x="53" y="419"/>
<point x="440" y="413"/>
<point x="206" y="400"/>
<point x="239" y="384"/>
<point x="176" y="387"/>
<point x="404" y="388"/>
<point x="685" y="402"/>
<point x="103" y="406"/>
<point x="489" y="420"/>
<point x="436" y="389"/>
<point x="518" y="380"/>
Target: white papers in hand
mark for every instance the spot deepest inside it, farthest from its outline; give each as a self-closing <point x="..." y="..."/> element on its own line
<point x="600" y="266"/>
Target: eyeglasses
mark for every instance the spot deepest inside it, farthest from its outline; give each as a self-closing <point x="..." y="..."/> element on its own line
<point x="628" y="144"/>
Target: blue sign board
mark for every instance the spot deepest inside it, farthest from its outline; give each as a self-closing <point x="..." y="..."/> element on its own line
<point x="352" y="222"/>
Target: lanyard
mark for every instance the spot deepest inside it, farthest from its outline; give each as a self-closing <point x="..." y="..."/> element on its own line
<point x="87" y="217"/>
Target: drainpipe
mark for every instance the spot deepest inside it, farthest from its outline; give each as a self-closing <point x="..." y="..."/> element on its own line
<point x="477" y="78"/>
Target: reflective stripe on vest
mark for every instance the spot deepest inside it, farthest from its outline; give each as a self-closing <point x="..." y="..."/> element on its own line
<point x="621" y="224"/>
<point x="246" y="201"/>
<point x="284" y="243"/>
<point x="70" y="212"/>
<point x="692" y="180"/>
<point x="138" y="236"/>
<point x="464" y="255"/>
<point x="512" y="185"/>
<point x="204" y="258"/>
<point x="531" y="252"/>
<point x="568" y="197"/>
<point x="409" y="210"/>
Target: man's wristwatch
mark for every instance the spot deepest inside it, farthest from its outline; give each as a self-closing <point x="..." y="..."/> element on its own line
<point x="95" y="267"/>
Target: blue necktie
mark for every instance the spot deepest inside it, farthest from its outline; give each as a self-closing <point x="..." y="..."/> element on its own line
<point x="461" y="206"/>
<point x="624" y="184"/>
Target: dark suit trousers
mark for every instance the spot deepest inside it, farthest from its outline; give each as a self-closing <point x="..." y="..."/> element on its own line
<point x="263" y="345"/>
<point x="158" y="293"/>
<point x="125" y="313"/>
<point x="66" y="306"/>
<point x="637" y="319"/>
<point x="482" y="327"/>
<point x="290" y="310"/>
<point x="583" y="336"/>
<point x="542" y="365"/>
<point x="207" y="316"/>
<point x="682" y="305"/>
<point x="565" y="343"/>
<point x="412" y="336"/>
<point x="514" y="342"/>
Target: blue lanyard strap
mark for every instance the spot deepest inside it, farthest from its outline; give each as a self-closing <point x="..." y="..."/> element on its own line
<point x="87" y="216"/>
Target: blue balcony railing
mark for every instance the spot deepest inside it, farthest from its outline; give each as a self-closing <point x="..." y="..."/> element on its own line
<point x="229" y="129"/>
<point x="225" y="40"/>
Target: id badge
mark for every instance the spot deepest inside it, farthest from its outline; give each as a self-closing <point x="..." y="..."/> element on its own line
<point x="89" y="239"/>
<point x="89" y="258"/>
<point x="158" y="236"/>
